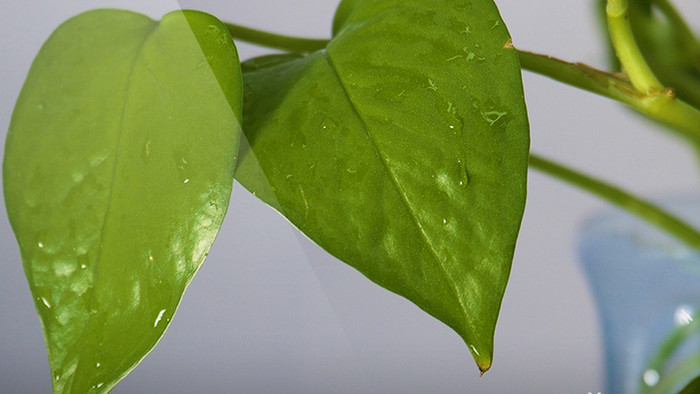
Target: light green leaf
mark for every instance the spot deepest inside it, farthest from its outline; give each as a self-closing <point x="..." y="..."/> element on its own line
<point x="401" y="149"/>
<point x="117" y="174"/>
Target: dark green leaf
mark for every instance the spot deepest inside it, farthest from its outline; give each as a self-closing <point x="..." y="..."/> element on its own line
<point x="692" y="387"/>
<point x="402" y="149"/>
<point x="117" y="174"/>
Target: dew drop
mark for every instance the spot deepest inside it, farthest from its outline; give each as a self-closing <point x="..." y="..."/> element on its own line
<point x="46" y="302"/>
<point x="181" y="164"/>
<point x="455" y="122"/>
<point x="41" y="244"/>
<point x="683" y="315"/>
<point x="432" y="84"/>
<point x="147" y="148"/>
<point x="98" y="365"/>
<point x="493" y="116"/>
<point x="473" y="348"/>
<point x="651" y="377"/>
<point x="158" y="318"/>
<point x="444" y="221"/>
<point x="463" y="173"/>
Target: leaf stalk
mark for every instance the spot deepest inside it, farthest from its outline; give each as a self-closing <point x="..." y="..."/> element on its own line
<point x="621" y="198"/>
<point x="277" y="41"/>
<point x="662" y="106"/>
<point x="627" y="50"/>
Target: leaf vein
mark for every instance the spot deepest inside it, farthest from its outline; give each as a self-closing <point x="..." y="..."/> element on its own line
<point x="395" y="182"/>
<point x="147" y="35"/>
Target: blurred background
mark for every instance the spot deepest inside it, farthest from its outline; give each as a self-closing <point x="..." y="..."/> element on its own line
<point x="270" y="312"/>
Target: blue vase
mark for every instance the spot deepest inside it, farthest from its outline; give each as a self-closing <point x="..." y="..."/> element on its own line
<point x="646" y="285"/>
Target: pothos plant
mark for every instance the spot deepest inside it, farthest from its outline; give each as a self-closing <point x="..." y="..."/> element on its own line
<point x="400" y="145"/>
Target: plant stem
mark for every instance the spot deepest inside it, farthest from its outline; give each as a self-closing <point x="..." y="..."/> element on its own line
<point x="688" y="40"/>
<point x="292" y="44"/>
<point x="668" y="348"/>
<point x="665" y="107"/>
<point x="621" y="198"/>
<point x="684" y="372"/>
<point x="631" y="58"/>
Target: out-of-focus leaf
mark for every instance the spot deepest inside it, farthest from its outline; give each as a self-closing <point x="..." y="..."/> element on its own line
<point x="117" y="174"/>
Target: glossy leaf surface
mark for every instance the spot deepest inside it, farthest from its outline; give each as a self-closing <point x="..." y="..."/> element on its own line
<point x="401" y="149"/>
<point x="117" y="174"/>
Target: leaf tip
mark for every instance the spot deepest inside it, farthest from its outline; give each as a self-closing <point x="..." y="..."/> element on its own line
<point x="483" y="359"/>
<point x="483" y="367"/>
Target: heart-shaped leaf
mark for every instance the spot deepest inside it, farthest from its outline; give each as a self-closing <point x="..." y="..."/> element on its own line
<point x="401" y="149"/>
<point x="117" y="174"/>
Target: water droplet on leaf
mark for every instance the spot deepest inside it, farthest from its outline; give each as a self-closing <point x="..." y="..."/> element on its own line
<point x="158" y="318"/>
<point x="650" y="377"/>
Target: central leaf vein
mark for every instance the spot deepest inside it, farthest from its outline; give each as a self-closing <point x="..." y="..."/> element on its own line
<point x="395" y="182"/>
<point x="119" y="139"/>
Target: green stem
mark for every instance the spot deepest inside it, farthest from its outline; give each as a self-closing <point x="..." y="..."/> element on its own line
<point x="688" y="40"/>
<point x="667" y="349"/>
<point x="665" y="107"/>
<point x="621" y="198"/>
<point x="631" y="58"/>
<point x="684" y="372"/>
<point x="286" y="43"/>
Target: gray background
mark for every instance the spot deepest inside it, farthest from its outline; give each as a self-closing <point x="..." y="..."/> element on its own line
<point x="272" y="313"/>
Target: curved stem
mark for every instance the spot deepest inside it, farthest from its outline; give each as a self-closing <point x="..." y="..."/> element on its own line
<point x="684" y="372"/>
<point x="631" y="58"/>
<point x="690" y="42"/>
<point x="665" y="108"/>
<point x="621" y="198"/>
<point x="277" y="41"/>
<point x="668" y="348"/>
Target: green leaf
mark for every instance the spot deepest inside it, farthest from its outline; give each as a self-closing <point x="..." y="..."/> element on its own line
<point x="118" y="171"/>
<point x="693" y="387"/>
<point x="401" y="149"/>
